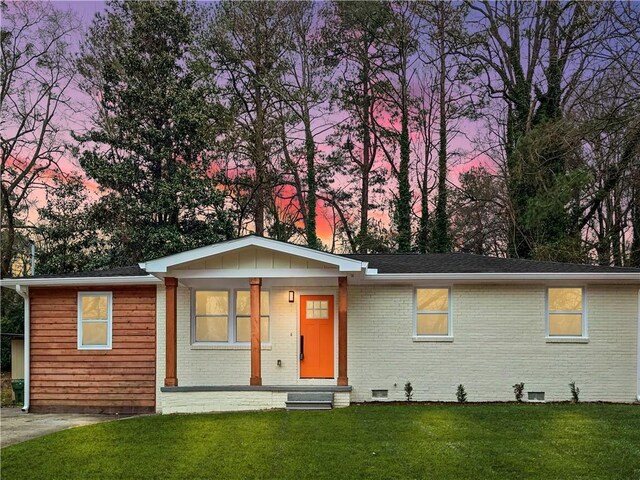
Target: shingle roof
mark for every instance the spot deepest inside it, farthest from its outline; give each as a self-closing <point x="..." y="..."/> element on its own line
<point x="470" y="263"/>
<point x="133" y="271"/>
<point x="415" y="263"/>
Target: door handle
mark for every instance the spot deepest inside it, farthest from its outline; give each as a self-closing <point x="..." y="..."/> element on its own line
<point x="301" y="347"/>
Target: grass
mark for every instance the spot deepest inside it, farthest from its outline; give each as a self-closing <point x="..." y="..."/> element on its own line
<point x="442" y="441"/>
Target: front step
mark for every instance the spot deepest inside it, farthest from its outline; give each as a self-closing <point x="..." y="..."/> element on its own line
<point x="310" y="401"/>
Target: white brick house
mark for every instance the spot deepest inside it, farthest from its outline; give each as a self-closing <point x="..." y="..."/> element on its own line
<point x="359" y="327"/>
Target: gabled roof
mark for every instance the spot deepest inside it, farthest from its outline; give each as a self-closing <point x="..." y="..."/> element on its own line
<point x="399" y="263"/>
<point x="381" y="267"/>
<point x="343" y="263"/>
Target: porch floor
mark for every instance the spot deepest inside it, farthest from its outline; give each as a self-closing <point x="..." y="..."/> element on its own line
<point x="258" y="388"/>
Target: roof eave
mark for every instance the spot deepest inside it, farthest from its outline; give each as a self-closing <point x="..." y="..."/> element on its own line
<point x="492" y="277"/>
<point x="80" y="281"/>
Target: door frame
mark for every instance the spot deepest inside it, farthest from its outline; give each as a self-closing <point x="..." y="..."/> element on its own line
<point x="298" y="303"/>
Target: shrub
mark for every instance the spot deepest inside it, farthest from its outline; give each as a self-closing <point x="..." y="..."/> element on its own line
<point x="575" y="392"/>
<point x="408" y="391"/>
<point x="461" y="394"/>
<point x="518" y="389"/>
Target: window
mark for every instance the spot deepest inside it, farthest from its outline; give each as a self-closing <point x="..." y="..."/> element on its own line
<point x="432" y="312"/>
<point x="243" y="316"/>
<point x="565" y="317"/>
<point x="218" y="319"/>
<point x="94" y="320"/>
<point x="535" y="396"/>
<point x="317" y="309"/>
<point x="212" y="316"/>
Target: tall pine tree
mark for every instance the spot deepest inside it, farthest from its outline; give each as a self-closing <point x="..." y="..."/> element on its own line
<point x="148" y="148"/>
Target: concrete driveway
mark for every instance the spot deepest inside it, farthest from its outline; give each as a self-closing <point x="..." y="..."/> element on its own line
<point x="16" y="426"/>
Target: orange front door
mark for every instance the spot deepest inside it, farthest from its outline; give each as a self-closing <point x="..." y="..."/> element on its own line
<point x="316" y="336"/>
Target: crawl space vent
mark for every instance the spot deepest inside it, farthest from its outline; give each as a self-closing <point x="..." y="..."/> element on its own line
<point x="536" y="396"/>
<point x="379" y="393"/>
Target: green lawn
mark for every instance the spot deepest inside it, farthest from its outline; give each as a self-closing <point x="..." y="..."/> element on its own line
<point x="369" y="441"/>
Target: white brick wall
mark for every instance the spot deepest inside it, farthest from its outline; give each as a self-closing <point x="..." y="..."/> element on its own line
<point x="202" y="402"/>
<point x="199" y="366"/>
<point x="499" y="340"/>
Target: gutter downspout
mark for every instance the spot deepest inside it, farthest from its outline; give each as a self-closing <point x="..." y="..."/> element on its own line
<point x="24" y="293"/>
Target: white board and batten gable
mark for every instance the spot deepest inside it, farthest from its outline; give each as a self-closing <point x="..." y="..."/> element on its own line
<point x="253" y="257"/>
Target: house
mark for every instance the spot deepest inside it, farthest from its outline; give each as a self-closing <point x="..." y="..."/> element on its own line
<point x="255" y="323"/>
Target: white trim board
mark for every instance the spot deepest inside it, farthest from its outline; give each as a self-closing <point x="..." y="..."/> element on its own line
<point x="606" y="277"/>
<point x="80" y="281"/>
<point x="80" y="321"/>
<point x="256" y="272"/>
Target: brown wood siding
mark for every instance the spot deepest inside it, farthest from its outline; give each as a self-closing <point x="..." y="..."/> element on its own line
<point x="120" y="380"/>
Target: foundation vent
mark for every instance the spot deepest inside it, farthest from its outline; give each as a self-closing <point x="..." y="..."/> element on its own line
<point x="536" y="396"/>
<point x="379" y="393"/>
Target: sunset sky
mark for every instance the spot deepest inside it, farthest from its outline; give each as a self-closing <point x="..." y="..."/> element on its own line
<point x="77" y="121"/>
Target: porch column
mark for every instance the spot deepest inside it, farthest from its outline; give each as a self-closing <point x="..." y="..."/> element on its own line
<point x="171" y="368"/>
<point x="342" y="331"/>
<point x="256" y="375"/>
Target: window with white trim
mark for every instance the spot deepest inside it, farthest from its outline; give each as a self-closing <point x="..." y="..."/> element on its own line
<point x="94" y="320"/>
<point x="224" y="316"/>
<point x="243" y="316"/>
<point x="211" y="316"/>
<point x="433" y="317"/>
<point x="565" y="312"/>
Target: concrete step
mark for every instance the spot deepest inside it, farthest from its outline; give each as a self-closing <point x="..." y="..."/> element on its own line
<point x="309" y="405"/>
<point x="310" y="397"/>
<point x="309" y="401"/>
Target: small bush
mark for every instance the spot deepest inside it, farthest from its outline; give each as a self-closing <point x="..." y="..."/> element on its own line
<point x="461" y="394"/>
<point x="575" y="392"/>
<point x="408" y="391"/>
<point x="518" y="390"/>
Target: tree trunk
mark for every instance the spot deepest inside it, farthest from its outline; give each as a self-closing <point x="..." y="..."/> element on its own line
<point x="634" y="257"/>
<point x="310" y="150"/>
<point x="441" y="238"/>
<point x="366" y="159"/>
<point x="423" y="234"/>
<point x="259" y="161"/>
<point x="8" y="225"/>
<point x="403" y="212"/>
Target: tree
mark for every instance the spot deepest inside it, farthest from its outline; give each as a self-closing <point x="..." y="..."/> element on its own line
<point x="400" y="38"/>
<point x="11" y="321"/>
<point x="304" y="90"/>
<point x="67" y="240"/>
<point x="449" y="99"/>
<point x="35" y="76"/>
<point x="248" y="43"/>
<point x="362" y="56"/>
<point x="441" y="241"/>
<point x="534" y="57"/>
<point x="479" y="213"/>
<point x="426" y="117"/>
<point x="150" y="143"/>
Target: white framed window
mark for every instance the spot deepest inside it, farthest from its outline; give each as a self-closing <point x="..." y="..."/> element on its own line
<point x="95" y="323"/>
<point x="211" y="319"/>
<point x="566" y="315"/>
<point x="433" y="313"/>
<point x="224" y="317"/>
<point x="243" y="316"/>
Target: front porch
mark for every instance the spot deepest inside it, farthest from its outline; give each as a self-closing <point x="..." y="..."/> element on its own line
<point x="221" y="398"/>
<point x="274" y="344"/>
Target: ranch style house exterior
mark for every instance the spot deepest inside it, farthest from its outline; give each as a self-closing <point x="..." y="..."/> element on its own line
<point x="255" y="323"/>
